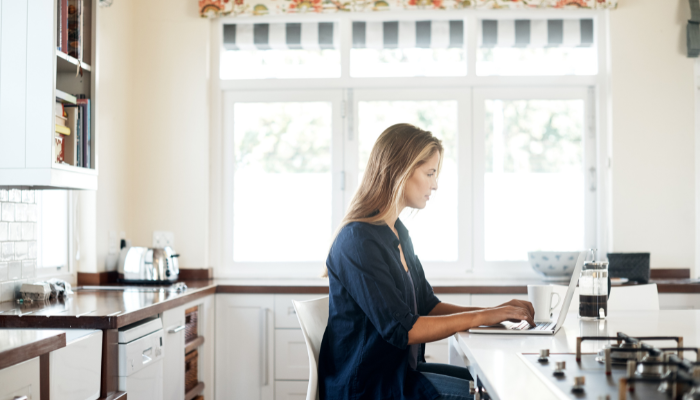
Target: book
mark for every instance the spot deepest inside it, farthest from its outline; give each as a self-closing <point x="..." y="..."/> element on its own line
<point x="64" y="25"/>
<point x="63" y="130"/>
<point x="58" y="148"/>
<point x="74" y="28"/>
<point x="70" y="149"/>
<point x="87" y="137"/>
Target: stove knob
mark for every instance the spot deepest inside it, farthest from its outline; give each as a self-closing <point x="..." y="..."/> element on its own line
<point x="579" y="381"/>
<point x="544" y="354"/>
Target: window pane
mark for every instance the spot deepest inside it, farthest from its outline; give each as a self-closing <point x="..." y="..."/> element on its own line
<point x="52" y="248"/>
<point x="263" y="64"/>
<point x="509" y="61"/>
<point x="534" y="192"/>
<point x="282" y="181"/>
<point x="433" y="229"/>
<point x="407" y="62"/>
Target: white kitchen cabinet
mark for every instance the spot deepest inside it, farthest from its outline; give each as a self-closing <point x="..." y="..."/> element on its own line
<point x="285" y="316"/>
<point x="174" y="353"/>
<point x="244" y="346"/>
<point x="31" y="70"/>
<point x="20" y="380"/>
<point x="291" y="390"/>
<point x="174" y="348"/>
<point x="291" y="356"/>
<point x="75" y="370"/>
<point x="679" y="301"/>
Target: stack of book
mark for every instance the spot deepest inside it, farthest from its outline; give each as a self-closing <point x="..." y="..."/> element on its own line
<point x="73" y="139"/>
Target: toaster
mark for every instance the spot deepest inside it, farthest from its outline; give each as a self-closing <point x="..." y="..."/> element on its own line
<point x="148" y="265"/>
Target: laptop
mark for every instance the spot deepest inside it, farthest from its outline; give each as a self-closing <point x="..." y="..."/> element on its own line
<point x="542" y="328"/>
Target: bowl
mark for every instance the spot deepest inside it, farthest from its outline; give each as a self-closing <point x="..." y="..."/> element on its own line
<point x="554" y="266"/>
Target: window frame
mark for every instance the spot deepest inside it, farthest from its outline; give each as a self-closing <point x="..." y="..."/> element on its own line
<point x="66" y="271"/>
<point x="597" y="120"/>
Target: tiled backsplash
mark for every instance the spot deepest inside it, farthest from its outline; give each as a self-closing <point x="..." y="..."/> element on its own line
<point x="18" y="240"/>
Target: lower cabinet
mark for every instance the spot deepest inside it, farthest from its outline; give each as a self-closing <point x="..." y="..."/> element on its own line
<point x="20" y="380"/>
<point x="291" y="390"/>
<point x="679" y="301"/>
<point x="244" y="347"/>
<point x="75" y="370"/>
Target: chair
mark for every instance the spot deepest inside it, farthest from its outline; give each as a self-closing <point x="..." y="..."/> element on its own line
<point x="635" y="297"/>
<point x="313" y="318"/>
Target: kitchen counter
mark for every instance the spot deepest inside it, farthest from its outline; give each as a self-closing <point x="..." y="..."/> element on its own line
<point x="19" y="345"/>
<point x="112" y="309"/>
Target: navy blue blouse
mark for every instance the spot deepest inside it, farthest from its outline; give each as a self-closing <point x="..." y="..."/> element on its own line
<point x="365" y="352"/>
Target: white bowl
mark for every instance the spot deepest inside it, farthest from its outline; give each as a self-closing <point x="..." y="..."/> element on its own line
<point x="554" y="266"/>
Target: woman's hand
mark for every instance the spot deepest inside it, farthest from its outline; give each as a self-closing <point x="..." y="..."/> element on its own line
<point x="522" y="304"/>
<point x="496" y="315"/>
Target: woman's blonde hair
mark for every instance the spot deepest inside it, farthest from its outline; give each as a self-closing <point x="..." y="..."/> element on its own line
<point x="396" y="154"/>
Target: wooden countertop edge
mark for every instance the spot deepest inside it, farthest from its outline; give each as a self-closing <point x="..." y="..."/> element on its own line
<point x="134" y="316"/>
<point x="37" y="348"/>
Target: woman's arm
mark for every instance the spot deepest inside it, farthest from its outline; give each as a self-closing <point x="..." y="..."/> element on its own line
<point x="432" y="328"/>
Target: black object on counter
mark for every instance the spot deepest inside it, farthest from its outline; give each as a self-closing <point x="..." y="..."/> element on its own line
<point x="633" y="266"/>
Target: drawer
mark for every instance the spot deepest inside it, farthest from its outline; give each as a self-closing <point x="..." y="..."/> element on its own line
<point x="285" y="317"/>
<point x="492" y="300"/>
<point x="20" y="380"/>
<point x="291" y="357"/>
<point x="291" y="390"/>
<point x="436" y="352"/>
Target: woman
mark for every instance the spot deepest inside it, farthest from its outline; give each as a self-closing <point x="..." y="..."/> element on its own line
<point x="382" y="310"/>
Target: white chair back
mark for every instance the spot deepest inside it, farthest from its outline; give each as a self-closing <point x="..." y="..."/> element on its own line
<point x="633" y="297"/>
<point x="313" y="318"/>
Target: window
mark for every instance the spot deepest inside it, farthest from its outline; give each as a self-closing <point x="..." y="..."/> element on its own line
<point x="513" y="102"/>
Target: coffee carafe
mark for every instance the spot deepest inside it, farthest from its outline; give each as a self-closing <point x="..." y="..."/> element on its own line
<point x="593" y="289"/>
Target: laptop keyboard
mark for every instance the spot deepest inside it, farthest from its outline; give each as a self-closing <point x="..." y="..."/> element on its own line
<point x="523" y="325"/>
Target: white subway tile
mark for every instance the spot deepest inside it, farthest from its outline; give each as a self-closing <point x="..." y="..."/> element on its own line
<point x="15" y="232"/>
<point x="3" y="231"/>
<point x="28" y="269"/>
<point x="25" y="196"/>
<point x="31" y="252"/>
<point x="7" y="252"/>
<point x="28" y="229"/>
<point x="3" y="271"/>
<point x="21" y="249"/>
<point x="14" y="270"/>
<point x="8" y="212"/>
<point x="4" y="195"/>
<point x="20" y="212"/>
<point x="32" y="212"/>
<point x="15" y="195"/>
<point x="32" y="197"/>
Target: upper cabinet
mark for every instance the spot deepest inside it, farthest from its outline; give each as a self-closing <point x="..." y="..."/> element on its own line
<point x="48" y="94"/>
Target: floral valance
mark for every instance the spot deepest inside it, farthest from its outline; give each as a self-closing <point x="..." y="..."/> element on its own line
<point x="214" y="8"/>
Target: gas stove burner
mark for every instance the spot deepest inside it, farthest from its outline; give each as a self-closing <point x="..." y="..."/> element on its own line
<point x="619" y="357"/>
<point x="651" y="371"/>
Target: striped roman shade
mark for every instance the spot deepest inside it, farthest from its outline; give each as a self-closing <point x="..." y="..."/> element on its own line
<point x="537" y="33"/>
<point x="407" y="34"/>
<point x="280" y="36"/>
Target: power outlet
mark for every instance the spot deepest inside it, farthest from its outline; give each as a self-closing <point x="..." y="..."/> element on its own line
<point x="163" y="239"/>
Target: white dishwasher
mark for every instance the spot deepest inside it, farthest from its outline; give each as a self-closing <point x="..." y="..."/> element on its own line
<point x="141" y="360"/>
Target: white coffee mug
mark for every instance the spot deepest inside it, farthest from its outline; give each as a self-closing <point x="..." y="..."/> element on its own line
<point x="541" y="298"/>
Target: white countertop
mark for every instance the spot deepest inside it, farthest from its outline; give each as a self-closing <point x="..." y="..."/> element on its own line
<point x="494" y="358"/>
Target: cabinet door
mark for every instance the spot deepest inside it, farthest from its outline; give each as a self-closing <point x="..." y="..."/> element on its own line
<point x="291" y="390"/>
<point x="75" y="369"/>
<point x="205" y="329"/>
<point x="174" y="353"/>
<point x="20" y="380"/>
<point x="291" y="356"/>
<point x="244" y="347"/>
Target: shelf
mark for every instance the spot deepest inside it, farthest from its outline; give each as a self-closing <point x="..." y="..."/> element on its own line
<point x="193" y="344"/>
<point x="66" y="63"/>
<point x="73" y="168"/>
<point x="58" y="177"/>
<point x="194" y="392"/>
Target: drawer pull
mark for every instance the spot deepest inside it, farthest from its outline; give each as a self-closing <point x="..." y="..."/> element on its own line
<point x="176" y="330"/>
<point x="291" y="311"/>
<point x="21" y="398"/>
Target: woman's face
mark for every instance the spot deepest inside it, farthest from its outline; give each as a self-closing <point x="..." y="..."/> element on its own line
<point x="421" y="184"/>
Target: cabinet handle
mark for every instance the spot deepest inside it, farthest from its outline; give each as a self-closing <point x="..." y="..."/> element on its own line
<point x="291" y="311"/>
<point x="176" y="330"/>
<point x="263" y="347"/>
<point x="21" y="398"/>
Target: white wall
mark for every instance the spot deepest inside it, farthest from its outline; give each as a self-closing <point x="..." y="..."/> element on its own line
<point x="114" y="124"/>
<point x="653" y="179"/>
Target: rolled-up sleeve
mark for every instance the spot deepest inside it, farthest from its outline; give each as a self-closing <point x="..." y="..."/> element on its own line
<point x="428" y="298"/>
<point x="366" y="276"/>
